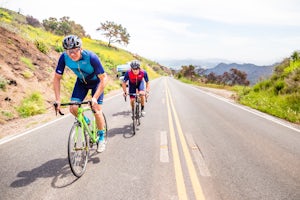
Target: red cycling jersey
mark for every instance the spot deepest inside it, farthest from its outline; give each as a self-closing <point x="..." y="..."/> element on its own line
<point x="135" y="80"/>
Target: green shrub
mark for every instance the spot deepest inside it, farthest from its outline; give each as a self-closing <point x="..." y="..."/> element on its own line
<point x="27" y="62"/>
<point x="27" y="74"/>
<point x="41" y="46"/>
<point x="59" y="49"/>
<point x="263" y="85"/>
<point x="3" y="83"/>
<point x="279" y="85"/>
<point x="293" y="102"/>
<point x="32" y="105"/>
<point x="7" y="114"/>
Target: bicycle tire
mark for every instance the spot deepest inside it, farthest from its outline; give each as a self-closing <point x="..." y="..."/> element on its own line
<point x="134" y="121"/>
<point x="138" y="114"/>
<point x="78" y="150"/>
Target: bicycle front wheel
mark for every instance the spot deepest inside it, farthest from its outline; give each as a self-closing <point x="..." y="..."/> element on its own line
<point x="78" y="150"/>
<point x="138" y="114"/>
<point x="134" y="120"/>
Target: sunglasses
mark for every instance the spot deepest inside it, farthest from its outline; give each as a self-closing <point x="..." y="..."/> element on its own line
<point x="70" y="51"/>
<point x="135" y="69"/>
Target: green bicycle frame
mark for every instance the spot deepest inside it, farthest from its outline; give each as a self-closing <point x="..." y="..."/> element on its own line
<point x="85" y="127"/>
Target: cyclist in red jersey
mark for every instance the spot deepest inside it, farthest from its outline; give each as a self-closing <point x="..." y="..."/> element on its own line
<point x="136" y="78"/>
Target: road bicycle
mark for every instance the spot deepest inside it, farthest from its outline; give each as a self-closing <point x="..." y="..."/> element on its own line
<point x="82" y="137"/>
<point x="136" y="111"/>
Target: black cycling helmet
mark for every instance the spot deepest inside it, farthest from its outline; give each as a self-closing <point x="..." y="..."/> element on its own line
<point x="135" y="64"/>
<point x="71" y="42"/>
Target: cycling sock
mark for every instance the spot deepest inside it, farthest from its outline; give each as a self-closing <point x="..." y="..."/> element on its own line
<point x="142" y="107"/>
<point x="101" y="135"/>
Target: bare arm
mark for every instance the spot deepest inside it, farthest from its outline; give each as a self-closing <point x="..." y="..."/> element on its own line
<point x="100" y="89"/>
<point x="56" y="86"/>
<point x="124" y="87"/>
<point x="147" y="86"/>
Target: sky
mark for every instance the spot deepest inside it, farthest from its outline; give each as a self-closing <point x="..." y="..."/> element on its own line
<point x="260" y="32"/>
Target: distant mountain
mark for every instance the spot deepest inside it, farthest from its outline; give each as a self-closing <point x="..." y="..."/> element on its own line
<point x="254" y="72"/>
<point x="204" y="63"/>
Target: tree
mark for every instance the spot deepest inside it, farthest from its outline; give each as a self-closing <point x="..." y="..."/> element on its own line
<point x="50" y="24"/>
<point x="233" y="77"/>
<point x="295" y="56"/>
<point x="33" y="21"/>
<point x="114" y="32"/>
<point x="211" y="78"/>
<point x="188" y="71"/>
<point x="63" y="27"/>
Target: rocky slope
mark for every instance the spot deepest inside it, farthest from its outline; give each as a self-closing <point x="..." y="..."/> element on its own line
<point x="21" y="78"/>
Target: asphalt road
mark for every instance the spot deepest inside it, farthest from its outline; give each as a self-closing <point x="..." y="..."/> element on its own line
<point x="191" y="145"/>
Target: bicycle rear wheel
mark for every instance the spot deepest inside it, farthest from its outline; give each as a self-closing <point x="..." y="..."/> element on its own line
<point x="78" y="150"/>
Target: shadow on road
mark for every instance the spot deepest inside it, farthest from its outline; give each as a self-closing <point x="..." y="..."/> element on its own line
<point x="58" y="169"/>
<point x="122" y="113"/>
<point x="125" y="130"/>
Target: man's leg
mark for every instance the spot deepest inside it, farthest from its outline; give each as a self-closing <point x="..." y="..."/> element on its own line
<point x="99" y="117"/>
<point x="99" y="121"/>
<point x="143" y="105"/>
<point x="142" y="92"/>
<point x="100" y="125"/>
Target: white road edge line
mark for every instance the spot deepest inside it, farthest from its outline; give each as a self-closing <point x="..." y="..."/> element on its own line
<point x="251" y="110"/>
<point x="15" y="136"/>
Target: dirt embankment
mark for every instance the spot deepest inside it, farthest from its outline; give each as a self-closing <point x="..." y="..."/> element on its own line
<point x="25" y="69"/>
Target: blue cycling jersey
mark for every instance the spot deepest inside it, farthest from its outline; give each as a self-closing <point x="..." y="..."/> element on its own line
<point x="87" y="68"/>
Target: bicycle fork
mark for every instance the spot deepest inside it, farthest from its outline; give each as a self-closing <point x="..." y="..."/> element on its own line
<point x="77" y="132"/>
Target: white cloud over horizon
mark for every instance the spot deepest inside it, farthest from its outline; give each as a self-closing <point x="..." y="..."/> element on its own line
<point x="258" y="32"/>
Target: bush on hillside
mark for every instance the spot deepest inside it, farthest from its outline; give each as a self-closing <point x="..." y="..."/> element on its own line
<point x="32" y="105"/>
<point x="33" y="21"/>
<point x="41" y="46"/>
<point x="3" y="83"/>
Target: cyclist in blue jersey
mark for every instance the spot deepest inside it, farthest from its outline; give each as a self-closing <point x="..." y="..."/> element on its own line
<point x="136" y="78"/>
<point x="90" y="76"/>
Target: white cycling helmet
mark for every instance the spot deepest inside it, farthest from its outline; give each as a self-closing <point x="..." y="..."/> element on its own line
<point x="71" y="42"/>
<point x="135" y="64"/>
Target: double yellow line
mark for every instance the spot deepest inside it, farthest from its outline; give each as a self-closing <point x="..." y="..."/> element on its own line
<point x="181" y="189"/>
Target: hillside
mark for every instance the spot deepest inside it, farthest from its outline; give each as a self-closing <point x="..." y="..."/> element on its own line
<point x="22" y="80"/>
<point x="278" y="95"/>
<point x="254" y="72"/>
<point x="26" y="73"/>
